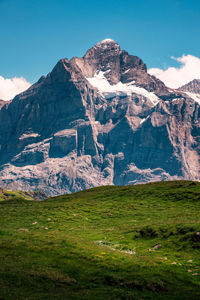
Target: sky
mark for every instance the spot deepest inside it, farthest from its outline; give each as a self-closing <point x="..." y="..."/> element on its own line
<point x="35" y="34"/>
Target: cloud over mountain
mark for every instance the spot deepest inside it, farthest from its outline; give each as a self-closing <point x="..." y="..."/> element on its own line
<point x="10" y="87"/>
<point x="176" y="77"/>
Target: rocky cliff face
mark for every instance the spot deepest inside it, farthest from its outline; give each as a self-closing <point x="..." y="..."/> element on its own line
<point x="97" y="120"/>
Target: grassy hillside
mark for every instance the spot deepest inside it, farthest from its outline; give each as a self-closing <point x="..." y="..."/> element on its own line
<point x="19" y="195"/>
<point x="133" y="242"/>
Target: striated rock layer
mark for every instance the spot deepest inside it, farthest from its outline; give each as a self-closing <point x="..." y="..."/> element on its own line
<point x="98" y="120"/>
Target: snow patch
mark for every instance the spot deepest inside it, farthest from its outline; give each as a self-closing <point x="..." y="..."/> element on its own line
<point x="120" y="89"/>
<point x="142" y="120"/>
<point x="28" y="135"/>
<point x="65" y="132"/>
<point x="106" y="41"/>
<point x="195" y="97"/>
<point x="126" y="71"/>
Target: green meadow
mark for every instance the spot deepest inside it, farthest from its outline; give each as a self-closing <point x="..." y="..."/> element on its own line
<point x="112" y="242"/>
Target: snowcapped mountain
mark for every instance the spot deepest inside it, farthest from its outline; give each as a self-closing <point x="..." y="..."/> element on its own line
<point x="98" y="120"/>
<point x="192" y="89"/>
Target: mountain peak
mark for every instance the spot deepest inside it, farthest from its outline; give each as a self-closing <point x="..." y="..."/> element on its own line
<point x="192" y="86"/>
<point x="107" y="44"/>
<point x="106" y="41"/>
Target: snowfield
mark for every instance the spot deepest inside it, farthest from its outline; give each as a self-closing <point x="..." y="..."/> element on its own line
<point x="120" y="89"/>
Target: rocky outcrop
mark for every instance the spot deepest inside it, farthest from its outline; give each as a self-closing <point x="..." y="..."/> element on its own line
<point x="98" y="120"/>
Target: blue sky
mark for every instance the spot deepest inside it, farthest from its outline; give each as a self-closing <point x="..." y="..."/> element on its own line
<point x="35" y="34"/>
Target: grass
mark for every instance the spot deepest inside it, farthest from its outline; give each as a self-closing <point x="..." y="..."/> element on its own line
<point x="20" y="195"/>
<point x="132" y="242"/>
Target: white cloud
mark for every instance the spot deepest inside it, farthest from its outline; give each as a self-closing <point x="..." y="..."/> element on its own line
<point x="176" y="77"/>
<point x="10" y="87"/>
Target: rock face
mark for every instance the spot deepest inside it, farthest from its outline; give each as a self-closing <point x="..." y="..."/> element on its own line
<point x="191" y="87"/>
<point x="98" y="120"/>
<point x="2" y="103"/>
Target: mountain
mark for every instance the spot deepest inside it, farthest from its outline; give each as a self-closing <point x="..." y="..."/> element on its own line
<point x="98" y="120"/>
<point x="192" y="89"/>
<point x="2" y="103"/>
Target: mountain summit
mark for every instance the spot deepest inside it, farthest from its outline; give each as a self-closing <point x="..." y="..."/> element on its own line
<point x="106" y="41"/>
<point x="98" y="120"/>
<point x="192" y="87"/>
